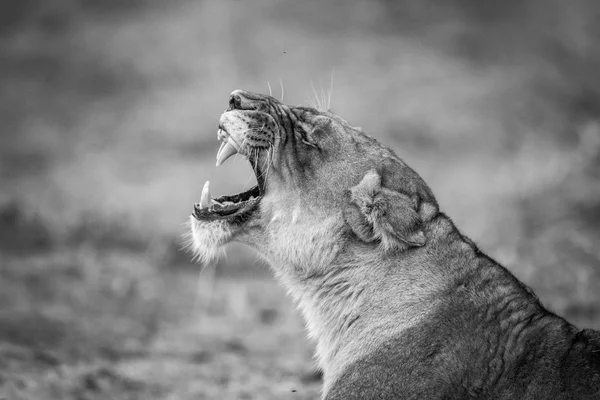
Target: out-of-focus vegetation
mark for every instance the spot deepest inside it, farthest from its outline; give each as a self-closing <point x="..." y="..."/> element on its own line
<point x="109" y="112"/>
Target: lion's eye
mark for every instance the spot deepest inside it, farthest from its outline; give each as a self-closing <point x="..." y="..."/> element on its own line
<point x="311" y="144"/>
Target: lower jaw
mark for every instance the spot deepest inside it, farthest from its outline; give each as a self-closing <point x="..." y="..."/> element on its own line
<point x="241" y="207"/>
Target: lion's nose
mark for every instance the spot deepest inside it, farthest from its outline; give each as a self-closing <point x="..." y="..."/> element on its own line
<point x="235" y="101"/>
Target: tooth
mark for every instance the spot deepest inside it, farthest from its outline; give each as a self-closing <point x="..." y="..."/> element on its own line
<point x="226" y="151"/>
<point x="221" y="148"/>
<point x="205" y="197"/>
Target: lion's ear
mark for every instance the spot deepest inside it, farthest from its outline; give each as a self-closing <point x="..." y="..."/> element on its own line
<point x="377" y="213"/>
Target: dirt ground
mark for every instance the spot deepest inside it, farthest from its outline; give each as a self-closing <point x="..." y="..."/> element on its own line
<point x="148" y="333"/>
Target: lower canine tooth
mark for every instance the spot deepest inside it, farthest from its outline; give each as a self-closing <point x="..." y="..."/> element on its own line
<point x="205" y="197"/>
<point x="226" y="151"/>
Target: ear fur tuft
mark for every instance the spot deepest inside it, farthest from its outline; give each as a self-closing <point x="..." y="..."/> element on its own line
<point x="377" y="213"/>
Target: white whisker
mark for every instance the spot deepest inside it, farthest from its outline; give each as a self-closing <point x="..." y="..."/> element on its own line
<point x="248" y="182"/>
<point x="269" y="160"/>
<point x="198" y="290"/>
<point x="281" y="84"/>
<point x="240" y="149"/>
<point x="270" y="91"/>
<point x="267" y="163"/>
<point x="312" y="85"/>
<point x="243" y="142"/>
<point x="255" y="158"/>
<point x="320" y="93"/>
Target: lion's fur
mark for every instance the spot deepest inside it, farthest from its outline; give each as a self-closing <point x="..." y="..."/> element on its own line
<point x="207" y="242"/>
<point x="401" y="304"/>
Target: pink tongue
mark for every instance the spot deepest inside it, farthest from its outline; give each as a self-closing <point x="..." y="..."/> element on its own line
<point x="226" y="151"/>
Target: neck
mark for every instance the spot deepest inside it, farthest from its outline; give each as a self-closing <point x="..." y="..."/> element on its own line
<point x="358" y="296"/>
<point x="348" y="291"/>
<point x="331" y="301"/>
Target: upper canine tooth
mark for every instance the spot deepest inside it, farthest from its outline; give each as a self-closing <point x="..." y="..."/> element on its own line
<point x="205" y="197"/>
<point x="226" y="151"/>
<point x="221" y="148"/>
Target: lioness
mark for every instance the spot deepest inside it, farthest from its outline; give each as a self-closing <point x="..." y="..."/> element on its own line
<point x="401" y="304"/>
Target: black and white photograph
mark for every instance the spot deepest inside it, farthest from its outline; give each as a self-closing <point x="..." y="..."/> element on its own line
<point x="299" y="199"/>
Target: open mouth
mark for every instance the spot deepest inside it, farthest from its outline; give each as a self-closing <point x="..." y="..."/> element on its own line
<point x="228" y="206"/>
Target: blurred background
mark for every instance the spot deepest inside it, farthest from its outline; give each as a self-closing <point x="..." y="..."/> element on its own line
<point x="109" y="111"/>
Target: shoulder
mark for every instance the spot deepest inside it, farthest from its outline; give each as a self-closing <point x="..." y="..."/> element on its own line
<point x="391" y="372"/>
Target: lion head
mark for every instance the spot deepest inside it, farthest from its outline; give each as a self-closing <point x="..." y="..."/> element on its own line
<point x="323" y="186"/>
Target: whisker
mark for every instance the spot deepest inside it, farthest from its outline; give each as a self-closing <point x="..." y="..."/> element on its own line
<point x="248" y="181"/>
<point x="269" y="160"/>
<point x="312" y="85"/>
<point x="243" y="141"/>
<point x="255" y="159"/>
<point x="208" y="295"/>
<point x="198" y="291"/>
<point x="311" y="103"/>
<point x="322" y="96"/>
<point x="270" y="91"/>
<point x="281" y="84"/>
<point x="267" y="163"/>
<point x="241" y="147"/>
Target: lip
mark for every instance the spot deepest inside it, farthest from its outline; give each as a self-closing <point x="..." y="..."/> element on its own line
<point x="229" y="206"/>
